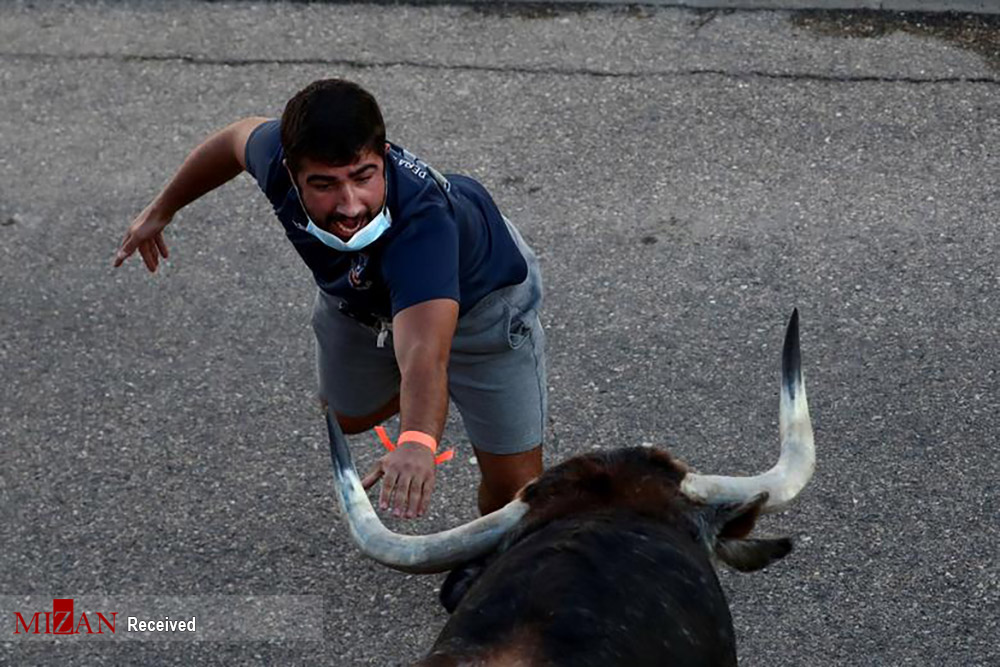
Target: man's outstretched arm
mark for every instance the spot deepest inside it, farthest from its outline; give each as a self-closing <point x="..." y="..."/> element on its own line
<point x="422" y="342"/>
<point x="217" y="160"/>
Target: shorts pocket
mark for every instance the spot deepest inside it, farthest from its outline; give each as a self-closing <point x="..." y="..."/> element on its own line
<point x="518" y="329"/>
<point x="493" y="328"/>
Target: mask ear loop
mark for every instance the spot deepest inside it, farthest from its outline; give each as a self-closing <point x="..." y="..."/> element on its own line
<point x="291" y="176"/>
<point x="298" y="193"/>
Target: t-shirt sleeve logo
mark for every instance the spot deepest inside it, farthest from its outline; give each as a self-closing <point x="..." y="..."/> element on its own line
<point x="421" y="169"/>
<point x="356" y="276"/>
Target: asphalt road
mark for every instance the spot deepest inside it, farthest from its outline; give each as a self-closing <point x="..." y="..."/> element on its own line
<point x="687" y="177"/>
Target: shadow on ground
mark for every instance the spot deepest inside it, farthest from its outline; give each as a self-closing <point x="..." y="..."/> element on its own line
<point x="979" y="34"/>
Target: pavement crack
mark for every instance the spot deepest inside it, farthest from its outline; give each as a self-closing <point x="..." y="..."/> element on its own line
<point x="705" y="20"/>
<point x="553" y="70"/>
<point x="833" y="78"/>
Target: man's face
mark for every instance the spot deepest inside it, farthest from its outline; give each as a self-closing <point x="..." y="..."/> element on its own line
<point x="342" y="200"/>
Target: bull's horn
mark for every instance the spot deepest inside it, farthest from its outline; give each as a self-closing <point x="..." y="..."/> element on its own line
<point x="421" y="554"/>
<point x="795" y="466"/>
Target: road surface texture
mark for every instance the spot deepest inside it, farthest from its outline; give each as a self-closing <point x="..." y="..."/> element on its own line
<point x="687" y="177"/>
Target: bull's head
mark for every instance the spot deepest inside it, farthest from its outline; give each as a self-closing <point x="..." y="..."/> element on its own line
<point x="724" y="507"/>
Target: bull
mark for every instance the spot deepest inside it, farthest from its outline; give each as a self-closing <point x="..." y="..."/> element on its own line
<point x="605" y="559"/>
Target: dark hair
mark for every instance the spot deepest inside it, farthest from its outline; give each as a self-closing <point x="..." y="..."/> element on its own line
<point x="332" y="121"/>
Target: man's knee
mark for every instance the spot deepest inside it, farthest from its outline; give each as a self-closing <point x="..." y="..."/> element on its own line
<point x="364" y="423"/>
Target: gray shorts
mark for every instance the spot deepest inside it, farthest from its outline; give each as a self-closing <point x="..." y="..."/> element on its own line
<point x="496" y="372"/>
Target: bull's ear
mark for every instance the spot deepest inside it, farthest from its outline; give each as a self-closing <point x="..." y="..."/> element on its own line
<point x="732" y="523"/>
<point x="458" y="583"/>
<point x="733" y="520"/>
<point x="750" y="555"/>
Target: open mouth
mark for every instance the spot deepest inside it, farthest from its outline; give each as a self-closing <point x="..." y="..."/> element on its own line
<point x="347" y="228"/>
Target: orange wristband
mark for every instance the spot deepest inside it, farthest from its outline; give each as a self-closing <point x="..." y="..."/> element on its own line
<point x="418" y="437"/>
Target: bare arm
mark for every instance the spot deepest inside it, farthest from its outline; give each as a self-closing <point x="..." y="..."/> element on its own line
<point x="215" y="161"/>
<point x="422" y="341"/>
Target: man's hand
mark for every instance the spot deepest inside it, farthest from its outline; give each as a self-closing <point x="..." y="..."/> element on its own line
<point x="145" y="234"/>
<point x="409" y="479"/>
<point x="213" y="162"/>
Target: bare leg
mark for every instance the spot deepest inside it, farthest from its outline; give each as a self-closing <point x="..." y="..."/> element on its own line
<point x="504" y="475"/>
<point x="362" y="424"/>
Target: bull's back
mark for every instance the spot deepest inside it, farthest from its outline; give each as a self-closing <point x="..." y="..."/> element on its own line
<point x="607" y="589"/>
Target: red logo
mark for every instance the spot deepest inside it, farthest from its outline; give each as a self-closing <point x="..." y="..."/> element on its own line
<point x="60" y="621"/>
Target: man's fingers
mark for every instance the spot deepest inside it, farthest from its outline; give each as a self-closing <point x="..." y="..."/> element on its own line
<point x="412" y="498"/>
<point x="388" y="486"/>
<point x="402" y="495"/>
<point x="155" y="254"/>
<point x="148" y="251"/>
<point x="144" y="253"/>
<point x="161" y="245"/>
<point x="374" y="475"/>
<point x="415" y="498"/>
<point x="125" y="250"/>
<point x="425" y="498"/>
<point x="151" y="250"/>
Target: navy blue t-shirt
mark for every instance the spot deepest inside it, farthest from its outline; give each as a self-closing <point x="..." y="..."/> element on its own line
<point x="447" y="239"/>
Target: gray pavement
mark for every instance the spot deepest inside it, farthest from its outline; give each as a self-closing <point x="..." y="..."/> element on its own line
<point x="934" y="6"/>
<point x="687" y="177"/>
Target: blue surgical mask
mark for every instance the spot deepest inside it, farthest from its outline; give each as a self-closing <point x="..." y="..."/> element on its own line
<point x="361" y="239"/>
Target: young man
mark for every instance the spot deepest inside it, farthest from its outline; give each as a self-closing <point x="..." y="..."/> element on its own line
<point x="425" y="289"/>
